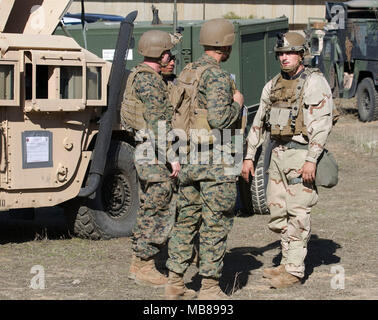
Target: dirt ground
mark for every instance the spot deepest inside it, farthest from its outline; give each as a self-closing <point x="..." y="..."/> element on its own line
<point x="342" y="252"/>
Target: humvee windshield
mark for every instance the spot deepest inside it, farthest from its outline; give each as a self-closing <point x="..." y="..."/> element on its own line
<point x="60" y="82"/>
<point x="6" y="82"/>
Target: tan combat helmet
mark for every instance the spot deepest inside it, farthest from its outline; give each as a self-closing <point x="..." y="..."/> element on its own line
<point x="153" y="43"/>
<point x="290" y="41"/>
<point x="217" y="33"/>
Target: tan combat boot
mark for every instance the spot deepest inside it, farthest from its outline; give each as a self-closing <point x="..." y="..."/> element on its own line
<point x="148" y="275"/>
<point x="269" y="273"/>
<point x="134" y="266"/>
<point x="175" y="289"/>
<point x="210" y="290"/>
<point x="284" y="280"/>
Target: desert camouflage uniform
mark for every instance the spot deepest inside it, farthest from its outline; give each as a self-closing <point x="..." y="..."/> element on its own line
<point x="290" y="200"/>
<point x="207" y="194"/>
<point x="155" y="219"/>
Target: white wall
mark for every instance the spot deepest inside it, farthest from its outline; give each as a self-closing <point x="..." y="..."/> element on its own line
<point x="195" y="10"/>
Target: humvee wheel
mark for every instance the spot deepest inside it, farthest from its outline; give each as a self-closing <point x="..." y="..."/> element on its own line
<point x="253" y="194"/>
<point x="367" y="100"/>
<point x="112" y="212"/>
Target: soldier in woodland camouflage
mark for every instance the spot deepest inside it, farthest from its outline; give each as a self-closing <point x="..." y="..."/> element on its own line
<point x="296" y="108"/>
<point x="167" y="69"/>
<point x="207" y="194"/>
<point x="145" y="105"/>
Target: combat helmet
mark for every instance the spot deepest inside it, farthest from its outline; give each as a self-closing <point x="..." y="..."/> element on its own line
<point x="153" y="43"/>
<point x="290" y="41"/>
<point x="217" y="33"/>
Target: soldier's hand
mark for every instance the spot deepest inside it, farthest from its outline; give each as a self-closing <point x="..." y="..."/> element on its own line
<point x="176" y="167"/>
<point x="247" y="169"/>
<point x="238" y="97"/>
<point x="308" y="172"/>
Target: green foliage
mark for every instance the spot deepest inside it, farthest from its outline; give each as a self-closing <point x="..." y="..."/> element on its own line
<point x="233" y="15"/>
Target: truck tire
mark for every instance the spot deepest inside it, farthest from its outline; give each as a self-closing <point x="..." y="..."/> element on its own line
<point x="253" y="194"/>
<point x="367" y="100"/>
<point x="112" y="211"/>
<point x="260" y="180"/>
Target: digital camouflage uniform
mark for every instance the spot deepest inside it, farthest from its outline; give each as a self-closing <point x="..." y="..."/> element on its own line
<point x="289" y="200"/>
<point x="155" y="219"/>
<point x="207" y="194"/>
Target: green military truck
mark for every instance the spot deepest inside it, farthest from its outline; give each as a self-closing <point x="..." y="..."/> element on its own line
<point x="345" y="48"/>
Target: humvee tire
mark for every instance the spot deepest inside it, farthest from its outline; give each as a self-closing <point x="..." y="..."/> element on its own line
<point x="260" y="180"/>
<point x="367" y="100"/>
<point x="253" y="194"/>
<point x="113" y="210"/>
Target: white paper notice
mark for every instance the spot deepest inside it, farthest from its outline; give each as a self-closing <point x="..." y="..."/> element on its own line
<point x="37" y="149"/>
<point x="108" y="54"/>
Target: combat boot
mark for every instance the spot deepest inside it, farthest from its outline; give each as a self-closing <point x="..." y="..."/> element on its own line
<point x="284" y="280"/>
<point x="210" y="290"/>
<point x="269" y="273"/>
<point x="175" y="289"/>
<point x="148" y="275"/>
<point x="134" y="266"/>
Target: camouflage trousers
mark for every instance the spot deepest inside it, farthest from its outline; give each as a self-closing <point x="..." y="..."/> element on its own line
<point x="290" y="205"/>
<point x="205" y="207"/>
<point x="157" y="210"/>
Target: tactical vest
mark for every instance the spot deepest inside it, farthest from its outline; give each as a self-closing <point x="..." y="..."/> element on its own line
<point x="132" y="108"/>
<point x="184" y="97"/>
<point x="285" y="109"/>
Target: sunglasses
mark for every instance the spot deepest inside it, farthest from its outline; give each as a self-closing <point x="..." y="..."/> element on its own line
<point x="171" y="56"/>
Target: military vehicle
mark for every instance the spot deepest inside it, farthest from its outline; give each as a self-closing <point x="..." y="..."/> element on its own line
<point x="61" y="141"/>
<point x="344" y="46"/>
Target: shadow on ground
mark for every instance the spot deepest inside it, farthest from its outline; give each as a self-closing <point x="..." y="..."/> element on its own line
<point x="319" y="252"/>
<point x="239" y="262"/>
<point x="23" y="225"/>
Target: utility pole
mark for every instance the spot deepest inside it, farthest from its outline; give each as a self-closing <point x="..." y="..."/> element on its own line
<point x="175" y="16"/>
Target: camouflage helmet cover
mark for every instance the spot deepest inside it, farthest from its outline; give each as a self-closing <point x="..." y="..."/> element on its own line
<point x="153" y="43"/>
<point x="217" y="33"/>
<point x="290" y="41"/>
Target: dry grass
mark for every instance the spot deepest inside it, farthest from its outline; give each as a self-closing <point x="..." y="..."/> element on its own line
<point x="344" y="233"/>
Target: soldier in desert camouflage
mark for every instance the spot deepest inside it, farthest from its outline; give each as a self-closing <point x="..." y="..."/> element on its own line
<point x="145" y="106"/>
<point x="296" y="109"/>
<point x="207" y="194"/>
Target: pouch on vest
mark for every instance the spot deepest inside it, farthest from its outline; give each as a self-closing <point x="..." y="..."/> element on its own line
<point x="132" y="108"/>
<point x="288" y="95"/>
<point x="188" y="120"/>
<point x="200" y="131"/>
<point x="327" y="170"/>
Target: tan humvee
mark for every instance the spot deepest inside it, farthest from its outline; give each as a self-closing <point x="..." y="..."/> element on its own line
<point x="53" y="94"/>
